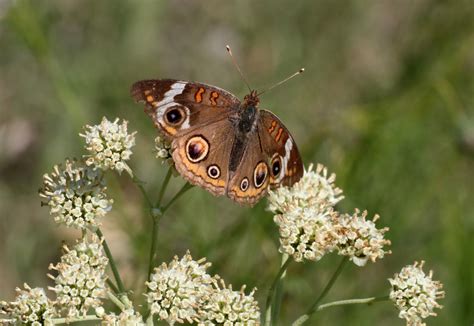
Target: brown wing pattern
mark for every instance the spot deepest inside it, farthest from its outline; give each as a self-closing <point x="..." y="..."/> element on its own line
<point x="195" y="119"/>
<point x="286" y="166"/>
<point x="202" y="157"/>
<point x="270" y="159"/>
<point x="179" y="107"/>
<point x="200" y="120"/>
<point x="250" y="181"/>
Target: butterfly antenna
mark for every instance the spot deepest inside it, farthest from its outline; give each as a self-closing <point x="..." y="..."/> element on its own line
<point x="238" y="68"/>
<point x="281" y="82"/>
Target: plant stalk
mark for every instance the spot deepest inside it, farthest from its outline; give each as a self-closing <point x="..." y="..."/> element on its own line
<point x="267" y="318"/>
<point x="112" y="264"/>
<point x="304" y="318"/>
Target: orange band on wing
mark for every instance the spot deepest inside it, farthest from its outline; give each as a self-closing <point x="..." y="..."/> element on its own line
<point x="198" y="95"/>
<point x="278" y="136"/>
<point x="199" y="170"/>
<point x="213" y="98"/>
<point x="270" y="130"/>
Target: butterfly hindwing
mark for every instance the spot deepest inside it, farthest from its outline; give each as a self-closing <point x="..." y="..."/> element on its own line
<point x="202" y="157"/>
<point x="249" y="182"/>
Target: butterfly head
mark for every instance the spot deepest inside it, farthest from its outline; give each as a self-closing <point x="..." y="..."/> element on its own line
<point x="251" y="99"/>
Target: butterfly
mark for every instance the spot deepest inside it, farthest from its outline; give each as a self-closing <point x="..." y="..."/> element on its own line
<point x="226" y="146"/>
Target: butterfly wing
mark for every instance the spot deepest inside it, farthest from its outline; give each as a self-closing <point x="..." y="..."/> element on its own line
<point x="178" y="107"/>
<point x="271" y="158"/>
<point x="195" y="118"/>
<point x="202" y="156"/>
<point x="286" y="166"/>
<point x="250" y="180"/>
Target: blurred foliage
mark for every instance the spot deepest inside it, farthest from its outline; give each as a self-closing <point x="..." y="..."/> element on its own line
<point x="386" y="103"/>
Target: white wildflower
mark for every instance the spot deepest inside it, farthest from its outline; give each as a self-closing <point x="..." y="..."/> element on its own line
<point x="303" y="214"/>
<point x="80" y="283"/>
<point x="359" y="238"/>
<point x="127" y="317"/>
<point x="177" y="289"/>
<point x="31" y="307"/>
<point x="163" y="148"/>
<point x="109" y="145"/>
<point x="415" y="293"/>
<point x="228" y="307"/>
<point x="75" y="194"/>
<point x="315" y="189"/>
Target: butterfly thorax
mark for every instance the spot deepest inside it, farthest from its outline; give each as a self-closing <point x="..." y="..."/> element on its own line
<point x="248" y="113"/>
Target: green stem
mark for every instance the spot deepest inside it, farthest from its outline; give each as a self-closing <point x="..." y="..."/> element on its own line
<point x="116" y="300"/>
<point x="68" y="320"/>
<point x="314" y="306"/>
<point x="276" y="304"/>
<point x="183" y="190"/>
<point x="304" y="318"/>
<point x="157" y="214"/>
<point x="154" y="243"/>
<point x="112" y="264"/>
<point x="140" y="184"/>
<point x="163" y="187"/>
<point x="328" y="287"/>
<point x="267" y="320"/>
<point x="112" y="286"/>
<point x="353" y="301"/>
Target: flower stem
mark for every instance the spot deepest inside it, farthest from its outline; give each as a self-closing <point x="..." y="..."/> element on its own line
<point x="163" y="187"/>
<point x="139" y="184"/>
<point x="276" y="304"/>
<point x="314" y="307"/>
<point x="68" y="320"/>
<point x="157" y="214"/>
<point x="328" y="287"/>
<point x="112" y="286"/>
<point x="116" y="300"/>
<point x="353" y="301"/>
<point x="154" y="243"/>
<point x="112" y="264"/>
<point x="267" y="318"/>
<point x="183" y="190"/>
<point x="301" y="320"/>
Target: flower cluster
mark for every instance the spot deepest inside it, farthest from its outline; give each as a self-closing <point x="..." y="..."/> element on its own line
<point x="31" y="307"/>
<point x="359" y="238"/>
<point x="178" y="288"/>
<point x="310" y="227"/>
<point x="109" y="145"/>
<point x="302" y="213"/>
<point x="182" y="291"/>
<point x="75" y="194"/>
<point x="228" y="307"/>
<point x="415" y="293"/>
<point x="125" y="318"/>
<point x="163" y="148"/>
<point x="315" y="193"/>
<point x="80" y="283"/>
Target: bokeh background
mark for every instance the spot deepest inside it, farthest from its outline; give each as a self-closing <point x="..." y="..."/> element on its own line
<point x="386" y="102"/>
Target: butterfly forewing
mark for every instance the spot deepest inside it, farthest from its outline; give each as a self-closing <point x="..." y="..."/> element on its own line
<point x="286" y="166"/>
<point x="178" y="107"/>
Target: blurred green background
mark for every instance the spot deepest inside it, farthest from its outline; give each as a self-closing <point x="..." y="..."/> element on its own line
<point x="386" y="102"/>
